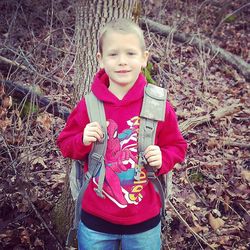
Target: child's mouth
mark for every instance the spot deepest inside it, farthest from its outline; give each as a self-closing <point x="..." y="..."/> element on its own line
<point x="122" y="71"/>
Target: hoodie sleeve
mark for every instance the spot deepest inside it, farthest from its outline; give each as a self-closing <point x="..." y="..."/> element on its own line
<point x="170" y="140"/>
<point x="70" y="139"/>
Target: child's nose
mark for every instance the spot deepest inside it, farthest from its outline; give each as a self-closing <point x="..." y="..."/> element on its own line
<point x="122" y="59"/>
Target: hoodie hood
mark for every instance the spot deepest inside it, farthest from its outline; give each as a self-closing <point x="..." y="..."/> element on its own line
<point x="100" y="89"/>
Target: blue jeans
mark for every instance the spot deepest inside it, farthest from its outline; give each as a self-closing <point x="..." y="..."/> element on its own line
<point x="92" y="240"/>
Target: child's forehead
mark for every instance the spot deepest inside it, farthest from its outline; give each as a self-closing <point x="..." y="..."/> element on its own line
<point x="123" y="39"/>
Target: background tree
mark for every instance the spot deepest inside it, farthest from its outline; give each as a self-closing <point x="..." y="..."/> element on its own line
<point x="90" y="17"/>
<point x="210" y="93"/>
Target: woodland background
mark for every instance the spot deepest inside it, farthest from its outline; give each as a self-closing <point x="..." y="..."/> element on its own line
<point x="210" y="208"/>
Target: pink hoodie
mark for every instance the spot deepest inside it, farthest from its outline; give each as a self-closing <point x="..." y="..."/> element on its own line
<point x="128" y="201"/>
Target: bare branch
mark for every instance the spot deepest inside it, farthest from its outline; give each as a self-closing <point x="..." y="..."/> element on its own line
<point x="237" y="62"/>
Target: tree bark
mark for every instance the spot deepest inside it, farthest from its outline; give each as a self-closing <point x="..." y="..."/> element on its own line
<point x="90" y="17"/>
<point x="238" y="63"/>
<point x="62" y="214"/>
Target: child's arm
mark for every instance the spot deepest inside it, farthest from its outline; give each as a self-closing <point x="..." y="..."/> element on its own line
<point x="75" y="140"/>
<point x="170" y="146"/>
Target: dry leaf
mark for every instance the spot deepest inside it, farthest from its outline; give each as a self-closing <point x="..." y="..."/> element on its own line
<point x="246" y="175"/>
<point x="213" y="101"/>
<point x="212" y="143"/>
<point x="45" y="121"/>
<point x="215" y="223"/>
<point x="4" y="124"/>
<point x="6" y="102"/>
<point x="226" y="204"/>
<point x="39" y="160"/>
<point x="38" y="243"/>
<point x="214" y="164"/>
<point x="197" y="228"/>
<point x="25" y="237"/>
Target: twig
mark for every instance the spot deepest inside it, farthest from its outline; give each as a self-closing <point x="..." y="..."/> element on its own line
<point x="227" y="16"/>
<point x="31" y="145"/>
<point x="14" y="63"/>
<point x="45" y="171"/>
<point x="203" y="3"/>
<point x="229" y="207"/>
<point x="189" y="228"/>
<point x="237" y="144"/>
<point x="27" y="197"/>
<point x="188" y="169"/>
<point x="244" y="209"/>
<point x="13" y="220"/>
<point x="164" y="30"/>
<point x="9" y="153"/>
<point x="31" y="69"/>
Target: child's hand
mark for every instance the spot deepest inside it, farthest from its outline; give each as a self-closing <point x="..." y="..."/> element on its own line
<point x="153" y="156"/>
<point x="92" y="133"/>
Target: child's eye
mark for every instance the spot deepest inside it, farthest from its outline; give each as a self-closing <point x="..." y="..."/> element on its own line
<point x="131" y="53"/>
<point x="112" y="54"/>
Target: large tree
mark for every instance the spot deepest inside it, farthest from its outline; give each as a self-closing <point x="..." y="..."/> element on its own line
<point x="90" y="17"/>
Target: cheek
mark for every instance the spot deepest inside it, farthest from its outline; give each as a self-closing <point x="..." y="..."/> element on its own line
<point x="137" y="63"/>
<point x="109" y="63"/>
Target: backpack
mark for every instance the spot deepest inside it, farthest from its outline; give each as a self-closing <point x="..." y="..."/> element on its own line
<point x="153" y="110"/>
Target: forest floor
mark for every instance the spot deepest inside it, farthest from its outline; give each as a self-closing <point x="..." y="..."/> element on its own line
<point x="210" y="208"/>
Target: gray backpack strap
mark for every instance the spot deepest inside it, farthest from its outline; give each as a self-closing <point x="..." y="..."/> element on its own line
<point x="154" y="103"/>
<point x="95" y="161"/>
<point x="96" y="113"/>
<point x="153" y="110"/>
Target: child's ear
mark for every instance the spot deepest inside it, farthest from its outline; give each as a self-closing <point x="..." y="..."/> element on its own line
<point x="99" y="59"/>
<point x="145" y="59"/>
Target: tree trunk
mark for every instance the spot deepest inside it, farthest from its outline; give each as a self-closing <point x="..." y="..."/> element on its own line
<point x="90" y="17"/>
<point x="63" y="211"/>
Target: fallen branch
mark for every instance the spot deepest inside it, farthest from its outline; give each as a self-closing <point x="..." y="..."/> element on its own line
<point x="237" y="62"/>
<point x="30" y="69"/>
<point x="13" y="63"/>
<point x="189" y="228"/>
<point x="20" y="92"/>
<point x="191" y="123"/>
<point x="59" y="109"/>
<point x="237" y="144"/>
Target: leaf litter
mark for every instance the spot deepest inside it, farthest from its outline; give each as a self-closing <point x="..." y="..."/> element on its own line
<point x="211" y="188"/>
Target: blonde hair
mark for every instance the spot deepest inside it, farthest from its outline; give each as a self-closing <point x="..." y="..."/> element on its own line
<point x="124" y="26"/>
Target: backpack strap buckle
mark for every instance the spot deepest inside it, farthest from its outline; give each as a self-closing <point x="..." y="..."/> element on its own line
<point x="96" y="157"/>
<point x="99" y="193"/>
<point x="95" y="162"/>
<point x="151" y="175"/>
<point x="87" y="176"/>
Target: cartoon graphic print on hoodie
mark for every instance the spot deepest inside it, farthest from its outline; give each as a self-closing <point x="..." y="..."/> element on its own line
<point x="128" y="201"/>
<point x="120" y="164"/>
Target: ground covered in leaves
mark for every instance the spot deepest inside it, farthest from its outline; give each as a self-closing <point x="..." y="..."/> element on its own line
<point x="210" y="207"/>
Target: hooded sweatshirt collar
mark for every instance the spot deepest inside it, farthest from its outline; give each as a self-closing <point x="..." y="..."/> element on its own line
<point x="100" y="89"/>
